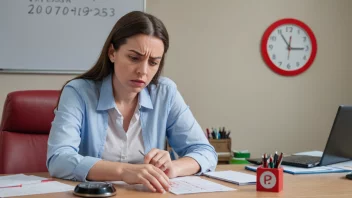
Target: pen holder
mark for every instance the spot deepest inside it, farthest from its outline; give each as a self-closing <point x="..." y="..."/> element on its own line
<point x="270" y="179"/>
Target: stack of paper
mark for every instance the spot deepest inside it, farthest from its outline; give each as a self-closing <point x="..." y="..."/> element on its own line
<point x="233" y="177"/>
<point x="315" y="170"/>
<point x="343" y="165"/>
<point x="20" y="184"/>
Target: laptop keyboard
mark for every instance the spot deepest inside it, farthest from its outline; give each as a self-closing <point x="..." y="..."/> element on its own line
<point x="301" y="159"/>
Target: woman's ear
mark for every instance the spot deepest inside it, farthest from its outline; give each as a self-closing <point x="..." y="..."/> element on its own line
<point x="111" y="53"/>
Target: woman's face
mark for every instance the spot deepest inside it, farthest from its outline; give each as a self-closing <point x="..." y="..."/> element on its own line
<point x="136" y="62"/>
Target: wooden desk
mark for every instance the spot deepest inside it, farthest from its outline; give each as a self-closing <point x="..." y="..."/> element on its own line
<point x="332" y="185"/>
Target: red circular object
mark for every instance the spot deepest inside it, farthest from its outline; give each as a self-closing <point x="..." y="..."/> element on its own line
<point x="266" y="52"/>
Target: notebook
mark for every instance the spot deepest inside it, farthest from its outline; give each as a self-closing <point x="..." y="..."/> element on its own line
<point x="233" y="177"/>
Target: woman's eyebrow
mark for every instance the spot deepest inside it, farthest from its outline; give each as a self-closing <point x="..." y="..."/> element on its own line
<point x="140" y="54"/>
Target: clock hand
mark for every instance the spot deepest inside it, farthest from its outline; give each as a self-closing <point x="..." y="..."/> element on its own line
<point x="289" y="48"/>
<point x="284" y="39"/>
<point x="297" y="48"/>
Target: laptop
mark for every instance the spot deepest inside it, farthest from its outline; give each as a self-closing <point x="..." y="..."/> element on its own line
<point x="337" y="149"/>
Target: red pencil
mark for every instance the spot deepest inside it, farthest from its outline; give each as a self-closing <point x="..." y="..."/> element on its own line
<point x="278" y="163"/>
<point x="208" y="133"/>
<point x="265" y="165"/>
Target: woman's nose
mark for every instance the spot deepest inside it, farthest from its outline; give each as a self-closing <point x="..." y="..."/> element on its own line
<point x="143" y="68"/>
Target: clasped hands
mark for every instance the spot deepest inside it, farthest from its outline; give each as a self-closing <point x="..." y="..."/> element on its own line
<point x="154" y="173"/>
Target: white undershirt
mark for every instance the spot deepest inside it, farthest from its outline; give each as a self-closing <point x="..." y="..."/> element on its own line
<point x="122" y="146"/>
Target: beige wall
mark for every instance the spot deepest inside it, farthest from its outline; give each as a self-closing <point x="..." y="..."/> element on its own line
<point x="214" y="58"/>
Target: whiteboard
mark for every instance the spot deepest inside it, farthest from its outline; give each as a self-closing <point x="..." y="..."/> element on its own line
<point x="57" y="36"/>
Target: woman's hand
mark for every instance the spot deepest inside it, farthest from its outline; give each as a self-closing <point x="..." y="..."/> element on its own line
<point x="146" y="174"/>
<point x="162" y="160"/>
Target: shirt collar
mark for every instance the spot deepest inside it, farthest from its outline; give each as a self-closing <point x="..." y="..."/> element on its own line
<point x="144" y="99"/>
<point x="107" y="101"/>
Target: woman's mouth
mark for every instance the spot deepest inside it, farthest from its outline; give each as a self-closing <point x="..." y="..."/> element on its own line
<point x="138" y="83"/>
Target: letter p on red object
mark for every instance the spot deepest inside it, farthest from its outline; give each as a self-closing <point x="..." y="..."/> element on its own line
<point x="270" y="179"/>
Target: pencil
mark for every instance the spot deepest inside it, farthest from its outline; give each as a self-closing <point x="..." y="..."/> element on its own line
<point x="141" y="152"/>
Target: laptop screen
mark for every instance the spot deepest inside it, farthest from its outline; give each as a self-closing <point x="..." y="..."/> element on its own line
<point x="339" y="145"/>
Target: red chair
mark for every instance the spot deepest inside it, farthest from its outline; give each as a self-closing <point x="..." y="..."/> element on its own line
<point x="24" y="130"/>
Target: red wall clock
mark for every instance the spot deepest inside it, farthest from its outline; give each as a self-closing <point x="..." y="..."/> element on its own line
<point x="289" y="47"/>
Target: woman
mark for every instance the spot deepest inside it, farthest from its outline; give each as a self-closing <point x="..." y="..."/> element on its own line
<point x="108" y="118"/>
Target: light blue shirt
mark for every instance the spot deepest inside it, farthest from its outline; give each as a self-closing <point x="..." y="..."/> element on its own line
<point x="78" y="132"/>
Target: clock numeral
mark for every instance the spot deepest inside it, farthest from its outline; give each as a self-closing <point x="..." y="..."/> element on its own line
<point x="304" y="39"/>
<point x="280" y="63"/>
<point x="298" y="31"/>
<point x="297" y="64"/>
<point x="271" y="47"/>
<point x="279" y="31"/>
<point x="304" y="57"/>
<point x="307" y="48"/>
<point x="288" y="66"/>
<point x="289" y="29"/>
<point x="273" y="57"/>
<point x="273" y="38"/>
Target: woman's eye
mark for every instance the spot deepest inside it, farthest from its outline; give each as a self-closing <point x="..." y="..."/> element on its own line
<point x="133" y="58"/>
<point x="152" y="63"/>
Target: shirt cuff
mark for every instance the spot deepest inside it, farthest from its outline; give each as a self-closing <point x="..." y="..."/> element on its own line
<point x="204" y="163"/>
<point x="84" y="166"/>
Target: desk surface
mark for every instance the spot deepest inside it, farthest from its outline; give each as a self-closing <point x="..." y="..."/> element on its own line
<point x="331" y="185"/>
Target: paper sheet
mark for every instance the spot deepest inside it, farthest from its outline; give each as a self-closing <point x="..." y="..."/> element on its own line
<point x="344" y="165"/>
<point x="33" y="189"/>
<point x="19" y="179"/>
<point x="194" y="184"/>
<point x="317" y="169"/>
<point x="183" y="185"/>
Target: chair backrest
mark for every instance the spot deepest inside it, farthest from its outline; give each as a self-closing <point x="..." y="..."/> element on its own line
<point x="24" y="130"/>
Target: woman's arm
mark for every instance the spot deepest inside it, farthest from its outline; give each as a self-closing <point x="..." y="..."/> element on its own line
<point x="105" y="171"/>
<point x="180" y="167"/>
<point x="185" y="166"/>
<point x="63" y="160"/>
<point x="187" y="139"/>
<point x="146" y="174"/>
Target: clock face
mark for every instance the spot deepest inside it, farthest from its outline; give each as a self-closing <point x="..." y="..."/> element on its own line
<point x="289" y="47"/>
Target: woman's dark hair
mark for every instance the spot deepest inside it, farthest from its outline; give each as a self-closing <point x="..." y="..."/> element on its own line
<point x="131" y="24"/>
